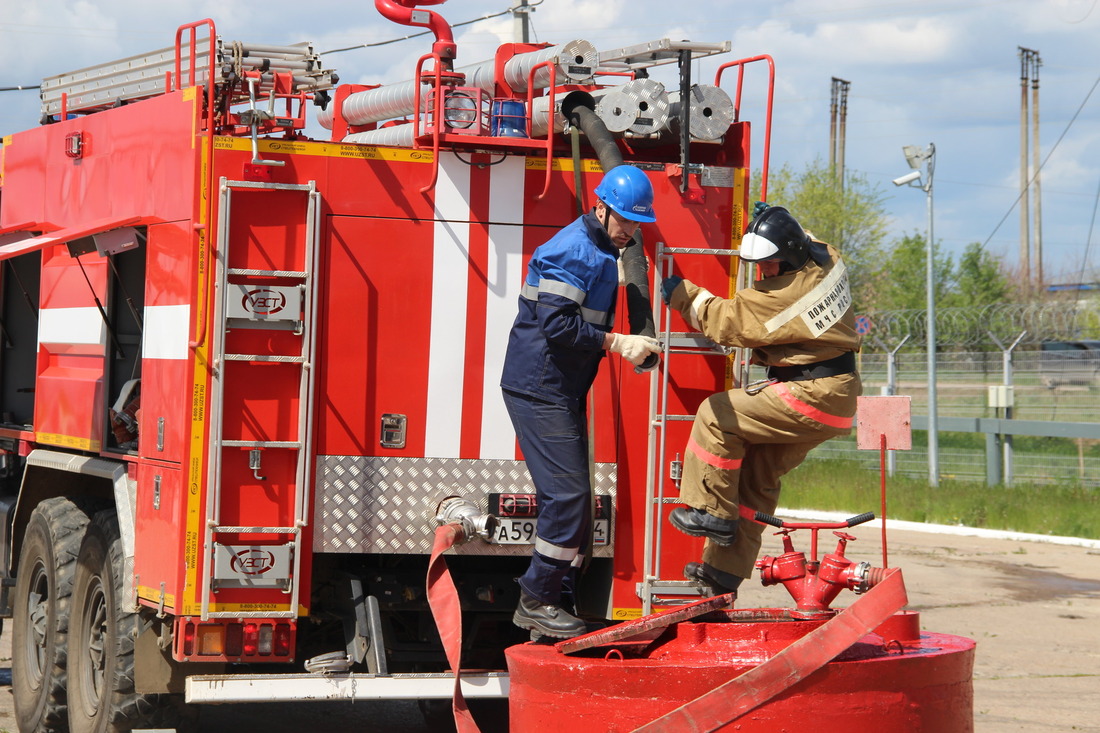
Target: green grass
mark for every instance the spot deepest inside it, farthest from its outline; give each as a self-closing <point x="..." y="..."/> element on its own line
<point x="844" y="486"/>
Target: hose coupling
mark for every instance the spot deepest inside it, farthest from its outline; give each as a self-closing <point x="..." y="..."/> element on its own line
<point x="474" y="522"/>
<point x="865" y="577"/>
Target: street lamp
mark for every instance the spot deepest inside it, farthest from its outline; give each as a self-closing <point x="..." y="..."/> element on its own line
<point x="917" y="156"/>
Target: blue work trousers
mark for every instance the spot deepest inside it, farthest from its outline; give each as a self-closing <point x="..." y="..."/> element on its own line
<point x="554" y="440"/>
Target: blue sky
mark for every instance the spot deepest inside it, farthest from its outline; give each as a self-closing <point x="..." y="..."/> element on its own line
<point x="941" y="71"/>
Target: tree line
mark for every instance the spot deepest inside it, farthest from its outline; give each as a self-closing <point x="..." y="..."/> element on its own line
<point x="886" y="274"/>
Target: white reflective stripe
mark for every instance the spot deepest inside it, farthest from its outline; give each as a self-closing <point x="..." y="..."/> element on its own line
<point x="504" y="275"/>
<point x="598" y="317"/>
<point x="71" y="326"/>
<point x="565" y="290"/>
<point x="601" y="318"/>
<point x="812" y="298"/>
<point x="447" y="345"/>
<point x="755" y="248"/>
<point x="554" y="552"/>
<point x="697" y="305"/>
<point x="166" y="332"/>
<point x="498" y="438"/>
<point x="506" y="181"/>
<point x="577" y="561"/>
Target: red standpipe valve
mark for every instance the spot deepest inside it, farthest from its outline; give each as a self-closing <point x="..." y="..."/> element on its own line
<point x="815" y="585"/>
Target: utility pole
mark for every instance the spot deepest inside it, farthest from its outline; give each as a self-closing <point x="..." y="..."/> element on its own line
<point x="1025" y="55"/>
<point x="838" y="118"/>
<point x="521" y="22"/>
<point x="1037" y="219"/>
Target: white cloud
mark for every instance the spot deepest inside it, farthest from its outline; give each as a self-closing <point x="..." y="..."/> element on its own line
<point x="920" y="70"/>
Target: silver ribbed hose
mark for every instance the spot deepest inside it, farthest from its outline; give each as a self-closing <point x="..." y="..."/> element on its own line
<point x="575" y="61"/>
<point x="652" y="101"/>
<point x="617" y="110"/>
<point x="710" y="111"/>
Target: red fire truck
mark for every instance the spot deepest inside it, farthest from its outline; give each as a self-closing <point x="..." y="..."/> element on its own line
<point x="246" y="373"/>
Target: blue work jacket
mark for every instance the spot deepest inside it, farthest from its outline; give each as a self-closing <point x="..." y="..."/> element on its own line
<point x="566" y="306"/>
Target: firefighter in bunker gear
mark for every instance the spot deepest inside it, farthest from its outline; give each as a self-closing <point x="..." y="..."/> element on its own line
<point x="566" y="310"/>
<point x="799" y="323"/>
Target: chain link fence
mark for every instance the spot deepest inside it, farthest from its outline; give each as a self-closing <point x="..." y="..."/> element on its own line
<point x="1047" y="385"/>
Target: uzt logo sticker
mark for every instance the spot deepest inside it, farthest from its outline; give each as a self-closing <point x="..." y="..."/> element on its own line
<point x="252" y="562"/>
<point x="263" y="301"/>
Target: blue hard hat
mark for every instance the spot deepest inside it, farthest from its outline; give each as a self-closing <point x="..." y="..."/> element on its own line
<point x="628" y="192"/>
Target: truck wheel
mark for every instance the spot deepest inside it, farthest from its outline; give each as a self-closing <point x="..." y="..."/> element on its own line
<point x="102" y="698"/>
<point x="40" y="623"/>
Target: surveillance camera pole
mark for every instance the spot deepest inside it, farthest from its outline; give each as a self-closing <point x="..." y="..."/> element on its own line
<point x="933" y="421"/>
<point x="915" y="156"/>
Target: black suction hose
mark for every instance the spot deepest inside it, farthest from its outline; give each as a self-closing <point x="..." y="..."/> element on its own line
<point x="579" y="108"/>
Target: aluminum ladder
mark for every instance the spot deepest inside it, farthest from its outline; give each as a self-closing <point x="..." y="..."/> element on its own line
<point x="231" y="284"/>
<point x="653" y="588"/>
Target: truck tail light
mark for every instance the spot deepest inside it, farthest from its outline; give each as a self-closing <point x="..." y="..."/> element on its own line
<point x="267" y="640"/>
<point x="239" y="640"/>
<point x="282" y="640"/>
<point x="251" y="639"/>
<point x="189" y="640"/>
<point x="234" y="640"/>
<point x="211" y="640"/>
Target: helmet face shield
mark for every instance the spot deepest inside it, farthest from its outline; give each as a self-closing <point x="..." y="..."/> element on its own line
<point x="628" y="192"/>
<point x="755" y="248"/>
<point x="776" y="235"/>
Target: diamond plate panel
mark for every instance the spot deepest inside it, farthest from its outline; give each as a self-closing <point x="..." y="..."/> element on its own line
<point x="387" y="505"/>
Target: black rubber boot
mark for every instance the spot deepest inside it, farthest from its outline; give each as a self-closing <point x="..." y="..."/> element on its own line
<point x="698" y="523"/>
<point x="546" y="619"/>
<point x="711" y="581"/>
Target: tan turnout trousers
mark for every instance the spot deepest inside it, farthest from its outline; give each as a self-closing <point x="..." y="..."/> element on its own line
<point x="740" y="446"/>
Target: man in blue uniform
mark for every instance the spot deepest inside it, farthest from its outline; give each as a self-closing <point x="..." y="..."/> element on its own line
<point x="566" y="311"/>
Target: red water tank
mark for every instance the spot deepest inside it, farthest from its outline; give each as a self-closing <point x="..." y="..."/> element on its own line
<point x="896" y="679"/>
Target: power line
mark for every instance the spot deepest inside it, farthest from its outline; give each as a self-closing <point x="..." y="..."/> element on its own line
<point x="488" y="16"/>
<point x="1088" y="241"/>
<point x="1043" y="164"/>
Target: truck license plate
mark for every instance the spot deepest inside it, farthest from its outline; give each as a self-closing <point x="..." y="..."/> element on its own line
<point x="521" y="531"/>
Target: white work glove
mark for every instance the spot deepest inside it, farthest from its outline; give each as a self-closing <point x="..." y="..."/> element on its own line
<point x="634" y="348"/>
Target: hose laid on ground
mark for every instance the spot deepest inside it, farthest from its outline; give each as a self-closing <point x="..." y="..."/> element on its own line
<point x="447" y="612"/>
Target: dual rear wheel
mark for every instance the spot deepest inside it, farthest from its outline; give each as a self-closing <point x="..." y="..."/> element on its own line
<point x="73" y="639"/>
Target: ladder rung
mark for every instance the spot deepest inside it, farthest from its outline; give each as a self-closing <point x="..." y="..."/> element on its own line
<point x="279" y="358"/>
<point x="225" y="529"/>
<point x="667" y="500"/>
<point x="670" y="585"/>
<point x="675" y="418"/>
<point x="692" y="340"/>
<point x="698" y="251"/>
<point x="290" y="444"/>
<point x="267" y="186"/>
<point x="267" y="273"/>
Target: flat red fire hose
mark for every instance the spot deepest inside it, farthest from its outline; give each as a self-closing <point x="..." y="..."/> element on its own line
<point x="729" y="701"/>
<point x="447" y="612"/>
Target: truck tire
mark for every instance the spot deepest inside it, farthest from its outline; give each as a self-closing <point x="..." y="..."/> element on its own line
<point x="40" y="623"/>
<point x="102" y="696"/>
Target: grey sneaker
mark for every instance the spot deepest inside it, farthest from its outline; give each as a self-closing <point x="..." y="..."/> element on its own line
<point x="698" y="523"/>
<point x="546" y="619"/>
